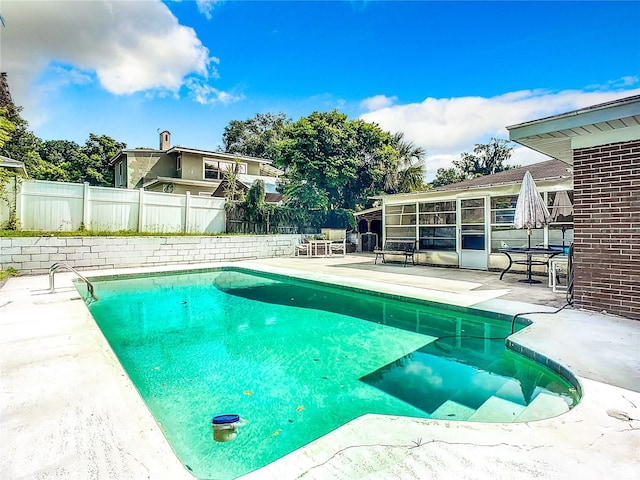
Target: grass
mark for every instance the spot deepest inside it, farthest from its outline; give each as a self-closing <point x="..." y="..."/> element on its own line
<point x="5" y="274"/>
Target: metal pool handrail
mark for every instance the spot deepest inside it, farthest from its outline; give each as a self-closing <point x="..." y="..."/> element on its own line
<point x="56" y="266"/>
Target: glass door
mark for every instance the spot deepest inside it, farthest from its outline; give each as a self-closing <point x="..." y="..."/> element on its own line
<point x="473" y="234"/>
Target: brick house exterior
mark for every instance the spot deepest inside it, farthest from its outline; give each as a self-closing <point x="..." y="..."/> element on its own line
<point x="603" y="144"/>
<point x="607" y="227"/>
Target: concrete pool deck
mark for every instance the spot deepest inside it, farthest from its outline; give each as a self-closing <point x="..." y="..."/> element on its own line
<point x="68" y="410"/>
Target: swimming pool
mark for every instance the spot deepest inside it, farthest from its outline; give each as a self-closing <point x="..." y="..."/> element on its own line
<point x="297" y="359"/>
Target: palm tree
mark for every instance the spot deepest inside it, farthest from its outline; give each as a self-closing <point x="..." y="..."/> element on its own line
<point x="409" y="177"/>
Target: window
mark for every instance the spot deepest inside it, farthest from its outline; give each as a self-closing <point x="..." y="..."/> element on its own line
<point x="214" y="169"/>
<point x="120" y="174"/>
<point x="179" y="162"/>
<point x="400" y="222"/>
<point x="437" y="229"/>
<point x="502" y="231"/>
<point x="503" y="209"/>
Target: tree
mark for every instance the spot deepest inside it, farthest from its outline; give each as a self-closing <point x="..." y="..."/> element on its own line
<point x="447" y="176"/>
<point x="332" y="162"/>
<point x="255" y="207"/>
<point x="99" y="149"/>
<point x="22" y="145"/>
<point x="255" y="137"/>
<point x="409" y="177"/>
<point x="6" y="127"/>
<point x="486" y="159"/>
<point x="231" y="190"/>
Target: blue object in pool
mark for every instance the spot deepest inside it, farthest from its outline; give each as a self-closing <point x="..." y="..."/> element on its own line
<point x="225" y="427"/>
<point x="222" y="419"/>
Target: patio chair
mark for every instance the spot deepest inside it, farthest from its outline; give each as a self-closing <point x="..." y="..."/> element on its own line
<point x="339" y="247"/>
<point x="302" y="249"/>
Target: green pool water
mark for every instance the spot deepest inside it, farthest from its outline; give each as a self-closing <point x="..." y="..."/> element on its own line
<point x="297" y="360"/>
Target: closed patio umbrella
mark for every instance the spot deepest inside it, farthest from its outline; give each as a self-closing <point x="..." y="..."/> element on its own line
<point x="531" y="211"/>
<point x="561" y="205"/>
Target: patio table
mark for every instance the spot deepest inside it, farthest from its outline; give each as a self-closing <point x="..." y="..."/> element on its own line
<point x="529" y="261"/>
<point x="325" y="248"/>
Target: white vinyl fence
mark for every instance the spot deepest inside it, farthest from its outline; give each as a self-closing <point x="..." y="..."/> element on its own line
<point x="58" y="206"/>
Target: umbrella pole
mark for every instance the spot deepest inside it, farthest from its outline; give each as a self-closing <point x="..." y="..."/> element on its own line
<point x="529" y="256"/>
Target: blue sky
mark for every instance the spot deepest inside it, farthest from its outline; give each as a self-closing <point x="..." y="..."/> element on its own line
<point x="447" y="74"/>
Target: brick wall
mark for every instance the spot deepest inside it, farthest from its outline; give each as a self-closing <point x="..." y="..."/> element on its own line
<point x="607" y="228"/>
<point x="34" y="255"/>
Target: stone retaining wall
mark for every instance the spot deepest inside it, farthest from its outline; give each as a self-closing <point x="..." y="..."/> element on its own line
<point x="34" y="255"/>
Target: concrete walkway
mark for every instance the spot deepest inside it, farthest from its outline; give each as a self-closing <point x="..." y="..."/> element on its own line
<point x="69" y="411"/>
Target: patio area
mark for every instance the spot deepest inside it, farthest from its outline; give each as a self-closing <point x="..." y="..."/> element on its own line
<point x="68" y="410"/>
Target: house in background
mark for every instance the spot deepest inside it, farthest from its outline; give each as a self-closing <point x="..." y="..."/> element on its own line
<point x="602" y="143"/>
<point x="244" y="183"/>
<point x="180" y="169"/>
<point x="465" y="224"/>
<point x="13" y="165"/>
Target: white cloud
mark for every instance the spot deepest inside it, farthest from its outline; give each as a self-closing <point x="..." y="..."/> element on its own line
<point x="206" y="7"/>
<point x="377" y="102"/>
<point x="207" y="95"/>
<point x="127" y="46"/>
<point x="446" y="127"/>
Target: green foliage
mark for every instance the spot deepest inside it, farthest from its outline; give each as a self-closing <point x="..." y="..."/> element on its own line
<point x="99" y="149"/>
<point x="6" y="126"/>
<point x="486" y="159"/>
<point x="305" y="195"/>
<point x="340" y="218"/>
<point x="231" y="190"/>
<point x="409" y="177"/>
<point x="447" y="176"/>
<point x="255" y="205"/>
<point x="333" y="162"/>
<point x="8" y="177"/>
<point x="63" y="160"/>
<point x="256" y="137"/>
<point x="277" y="218"/>
<point x="66" y="161"/>
<point x="23" y="145"/>
<point x="9" y="272"/>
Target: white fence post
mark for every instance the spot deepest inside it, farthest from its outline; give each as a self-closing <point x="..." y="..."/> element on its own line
<point x="18" y="192"/>
<point x="86" y="215"/>
<point x="187" y="207"/>
<point x="141" y="210"/>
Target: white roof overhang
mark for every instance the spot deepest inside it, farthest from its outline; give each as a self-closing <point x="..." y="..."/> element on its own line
<point x="557" y="136"/>
<point x="181" y="181"/>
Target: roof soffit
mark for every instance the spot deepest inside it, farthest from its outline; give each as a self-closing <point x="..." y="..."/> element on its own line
<point x="554" y="136"/>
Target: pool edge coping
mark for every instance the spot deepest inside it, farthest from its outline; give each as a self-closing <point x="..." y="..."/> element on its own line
<point x="522" y="427"/>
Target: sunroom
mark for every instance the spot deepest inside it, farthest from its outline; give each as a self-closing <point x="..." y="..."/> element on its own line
<point x="465" y="224"/>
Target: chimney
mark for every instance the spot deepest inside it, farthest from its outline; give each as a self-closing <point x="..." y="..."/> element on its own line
<point x="165" y="140"/>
